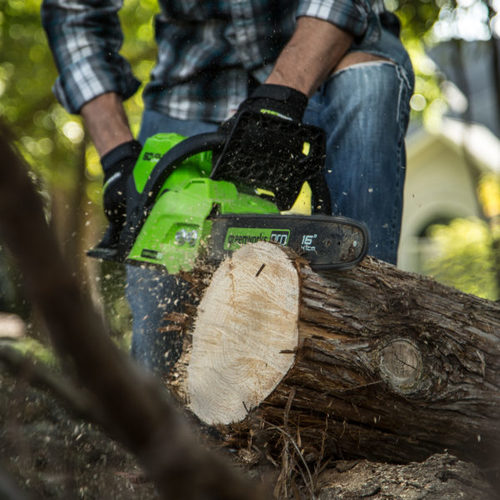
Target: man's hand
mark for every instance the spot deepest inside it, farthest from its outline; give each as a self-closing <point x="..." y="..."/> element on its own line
<point x="118" y="165"/>
<point x="277" y="100"/>
<point x="107" y="124"/>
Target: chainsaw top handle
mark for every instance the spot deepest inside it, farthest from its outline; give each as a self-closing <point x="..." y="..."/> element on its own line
<point x="172" y="159"/>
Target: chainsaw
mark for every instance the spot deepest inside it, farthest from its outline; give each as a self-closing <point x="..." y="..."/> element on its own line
<point x="209" y="194"/>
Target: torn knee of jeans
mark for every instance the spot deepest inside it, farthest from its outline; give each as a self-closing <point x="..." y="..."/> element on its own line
<point x="360" y="59"/>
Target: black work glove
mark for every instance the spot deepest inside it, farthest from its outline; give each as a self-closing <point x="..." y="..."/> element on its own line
<point x="118" y="165"/>
<point x="265" y="140"/>
<point x="277" y="100"/>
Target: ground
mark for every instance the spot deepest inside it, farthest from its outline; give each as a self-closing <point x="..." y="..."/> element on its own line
<point x="54" y="455"/>
<point x="51" y="454"/>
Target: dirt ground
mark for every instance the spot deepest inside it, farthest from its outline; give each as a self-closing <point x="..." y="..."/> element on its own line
<point x="48" y="453"/>
<point x="51" y="454"/>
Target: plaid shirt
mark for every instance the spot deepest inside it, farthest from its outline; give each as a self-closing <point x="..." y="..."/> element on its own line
<point x="207" y="50"/>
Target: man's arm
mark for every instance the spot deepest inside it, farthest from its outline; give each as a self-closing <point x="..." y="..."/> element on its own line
<point x="310" y="56"/>
<point x="106" y="122"/>
<point x="85" y="38"/>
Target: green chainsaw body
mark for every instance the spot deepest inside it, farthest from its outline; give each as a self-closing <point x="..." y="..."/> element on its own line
<point x="211" y="193"/>
<point x="179" y="223"/>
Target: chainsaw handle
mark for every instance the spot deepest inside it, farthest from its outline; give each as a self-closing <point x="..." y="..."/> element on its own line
<point x="174" y="157"/>
<point x="139" y="205"/>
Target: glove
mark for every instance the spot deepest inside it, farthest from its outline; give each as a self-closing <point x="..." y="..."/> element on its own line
<point x="118" y="165"/>
<point x="277" y="100"/>
<point x="262" y="138"/>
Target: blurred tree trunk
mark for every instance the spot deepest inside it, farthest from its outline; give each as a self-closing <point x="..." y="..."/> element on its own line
<point x="76" y="223"/>
<point x="67" y="210"/>
<point x="132" y="404"/>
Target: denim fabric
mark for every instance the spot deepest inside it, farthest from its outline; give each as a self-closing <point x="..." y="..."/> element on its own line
<point x="364" y="110"/>
<point x="152" y="294"/>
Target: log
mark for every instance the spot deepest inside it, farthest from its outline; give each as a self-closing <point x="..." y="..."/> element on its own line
<point x="373" y="362"/>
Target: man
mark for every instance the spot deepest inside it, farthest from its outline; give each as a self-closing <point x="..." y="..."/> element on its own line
<point x="337" y="64"/>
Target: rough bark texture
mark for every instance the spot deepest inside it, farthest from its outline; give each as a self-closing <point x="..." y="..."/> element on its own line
<point x="402" y="366"/>
<point x="389" y="366"/>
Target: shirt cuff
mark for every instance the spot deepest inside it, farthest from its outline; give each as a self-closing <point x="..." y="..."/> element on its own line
<point x="87" y="78"/>
<point x="349" y="15"/>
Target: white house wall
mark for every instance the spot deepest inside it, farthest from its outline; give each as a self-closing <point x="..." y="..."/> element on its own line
<point x="438" y="185"/>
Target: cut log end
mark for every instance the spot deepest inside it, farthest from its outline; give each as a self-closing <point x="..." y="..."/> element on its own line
<point x="245" y="336"/>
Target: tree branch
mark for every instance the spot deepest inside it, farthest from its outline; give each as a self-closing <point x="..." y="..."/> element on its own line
<point x="134" y="403"/>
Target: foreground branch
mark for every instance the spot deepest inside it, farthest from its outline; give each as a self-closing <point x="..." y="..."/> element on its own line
<point x="133" y="403"/>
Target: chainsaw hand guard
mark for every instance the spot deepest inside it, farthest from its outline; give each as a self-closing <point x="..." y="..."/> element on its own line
<point x="271" y="153"/>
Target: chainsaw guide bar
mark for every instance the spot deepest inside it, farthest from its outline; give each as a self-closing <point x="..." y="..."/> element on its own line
<point x="326" y="242"/>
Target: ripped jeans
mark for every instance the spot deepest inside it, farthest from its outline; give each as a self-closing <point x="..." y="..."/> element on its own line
<point x="364" y="110"/>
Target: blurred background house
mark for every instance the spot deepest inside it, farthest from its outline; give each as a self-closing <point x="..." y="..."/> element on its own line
<point x="447" y="165"/>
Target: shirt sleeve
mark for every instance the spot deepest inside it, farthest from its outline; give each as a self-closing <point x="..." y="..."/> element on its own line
<point x="349" y="15"/>
<point x="85" y="37"/>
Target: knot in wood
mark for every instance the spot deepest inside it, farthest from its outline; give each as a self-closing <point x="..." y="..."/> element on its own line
<point x="400" y="365"/>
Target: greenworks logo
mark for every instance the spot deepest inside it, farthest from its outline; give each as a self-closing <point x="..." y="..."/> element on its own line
<point x="149" y="156"/>
<point x="238" y="236"/>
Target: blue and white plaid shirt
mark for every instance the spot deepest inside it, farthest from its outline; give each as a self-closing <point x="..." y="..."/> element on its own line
<point x="207" y="50"/>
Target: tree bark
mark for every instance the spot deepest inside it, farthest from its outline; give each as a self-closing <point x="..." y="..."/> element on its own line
<point x="373" y="362"/>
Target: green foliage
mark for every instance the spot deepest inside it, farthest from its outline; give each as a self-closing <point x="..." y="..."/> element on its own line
<point x="417" y="20"/>
<point x="37" y="351"/>
<point x="50" y="138"/>
<point x="417" y="17"/>
<point x="65" y="165"/>
<point x="26" y="77"/>
<point x="463" y="253"/>
<point x="463" y="257"/>
<point x="424" y="24"/>
<point x="489" y="194"/>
